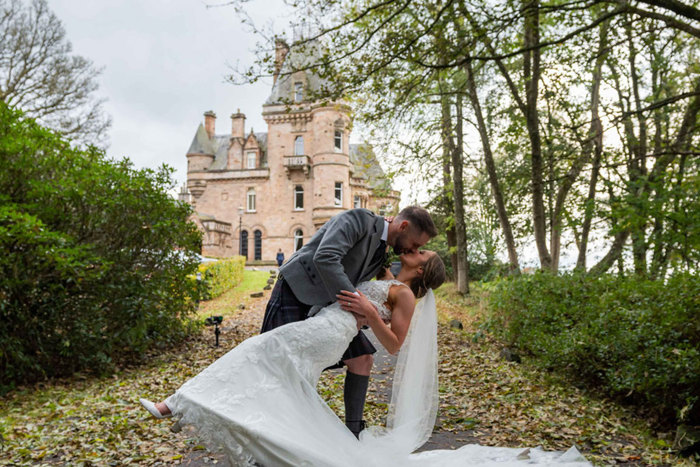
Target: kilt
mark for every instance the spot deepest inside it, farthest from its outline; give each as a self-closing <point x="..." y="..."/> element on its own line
<point x="284" y="307"/>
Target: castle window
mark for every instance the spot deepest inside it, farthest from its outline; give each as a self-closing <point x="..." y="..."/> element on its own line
<point x="338" y="140"/>
<point x="298" y="91"/>
<point x="251" y="200"/>
<point x="298" y="198"/>
<point x="251" y="159"/>
<point x="257" y="245"/>
<point x="357" y="202"/>
<point x="298" y="239"/>
<point x="244" y="244"/>
<point x="382" y="210"/>
<point x="338" y="193"/>
<point x="299" y="146"/>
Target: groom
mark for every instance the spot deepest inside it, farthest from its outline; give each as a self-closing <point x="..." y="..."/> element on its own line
<point x="350" y="248"/>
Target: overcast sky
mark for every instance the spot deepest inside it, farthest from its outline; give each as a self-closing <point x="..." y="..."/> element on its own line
<point x="165" y="63"/>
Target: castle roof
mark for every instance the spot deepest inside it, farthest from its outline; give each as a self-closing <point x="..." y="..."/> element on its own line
<point x="221" y="155"/>
<point x="201" y="144"/>
<point x="367" y="166"/>
<point x="297" y="59"/>
<point x="218" y="146"/>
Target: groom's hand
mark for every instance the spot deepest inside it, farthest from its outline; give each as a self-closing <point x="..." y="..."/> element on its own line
<point x="358" y="304"/>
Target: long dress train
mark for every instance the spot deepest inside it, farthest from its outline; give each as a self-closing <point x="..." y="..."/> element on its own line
<point x="259" y="401"/>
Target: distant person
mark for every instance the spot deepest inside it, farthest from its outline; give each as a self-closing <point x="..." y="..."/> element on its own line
<point x="280" y="257"/>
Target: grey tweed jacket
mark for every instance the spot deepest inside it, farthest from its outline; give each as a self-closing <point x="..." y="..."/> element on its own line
<point x="338" y="257"/>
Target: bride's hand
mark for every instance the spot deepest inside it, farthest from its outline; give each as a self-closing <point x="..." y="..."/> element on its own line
<point x="358" y="304"/>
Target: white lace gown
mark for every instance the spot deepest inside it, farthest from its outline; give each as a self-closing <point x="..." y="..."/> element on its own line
<point x="259" y="402"/>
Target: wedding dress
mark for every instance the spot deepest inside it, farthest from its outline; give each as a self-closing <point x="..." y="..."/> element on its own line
<point x="259" y="401"/>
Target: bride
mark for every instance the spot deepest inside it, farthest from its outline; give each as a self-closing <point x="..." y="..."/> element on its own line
<point x="259" y="401"/>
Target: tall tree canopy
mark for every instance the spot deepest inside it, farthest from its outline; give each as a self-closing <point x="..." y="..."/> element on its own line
<point x="581" y="116"/>
<point x="40" y="75"/>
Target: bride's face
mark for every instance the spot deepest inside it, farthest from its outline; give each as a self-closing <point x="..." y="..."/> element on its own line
<point x="416" y="259"/>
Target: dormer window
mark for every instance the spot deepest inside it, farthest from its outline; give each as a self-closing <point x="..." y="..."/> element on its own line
<point x="298" y="91"/>
<point x="338" y="141"/>
<point x="251" y="159"/>
<point x="299" y="146"/>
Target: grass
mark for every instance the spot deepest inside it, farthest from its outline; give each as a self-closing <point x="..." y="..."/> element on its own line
<point x="231" y="301"/>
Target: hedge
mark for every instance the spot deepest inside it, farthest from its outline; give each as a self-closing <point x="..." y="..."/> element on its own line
<point x="220" y="276"/>
<point x="638" y="340"/>
<point x="95" y="257"/>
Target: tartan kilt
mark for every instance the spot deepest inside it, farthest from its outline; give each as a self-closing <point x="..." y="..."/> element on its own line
<point x="284" y="307"/>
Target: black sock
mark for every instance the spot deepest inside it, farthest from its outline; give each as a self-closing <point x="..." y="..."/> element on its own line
<point x="354" y="395"/>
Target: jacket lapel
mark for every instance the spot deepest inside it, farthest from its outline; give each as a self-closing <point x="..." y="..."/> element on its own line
<point x="375" y="238"/>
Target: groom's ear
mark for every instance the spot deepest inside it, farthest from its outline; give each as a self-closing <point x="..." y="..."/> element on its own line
<point x="404" y="225"/>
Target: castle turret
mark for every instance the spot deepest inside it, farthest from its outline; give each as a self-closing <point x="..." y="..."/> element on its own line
<point x="330" y="162"/>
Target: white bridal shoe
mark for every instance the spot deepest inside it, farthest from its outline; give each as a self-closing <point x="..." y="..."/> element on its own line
<point x="151" y="407"/>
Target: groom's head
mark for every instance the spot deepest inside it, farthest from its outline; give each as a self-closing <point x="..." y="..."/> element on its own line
<point x="410" y="230"/>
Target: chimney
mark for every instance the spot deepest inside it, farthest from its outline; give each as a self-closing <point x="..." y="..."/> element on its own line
<point x="209" y="122"/>
<point x="237" y="124"/>
<point x="281" y="50"/>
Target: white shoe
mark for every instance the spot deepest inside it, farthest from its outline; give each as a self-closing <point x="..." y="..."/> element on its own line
<point x="151" y="407"/>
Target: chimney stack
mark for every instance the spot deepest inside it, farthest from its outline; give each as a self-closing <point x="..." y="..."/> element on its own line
<point x="237" y="124"/>
<point x="210" y="122"/>
<point x="281" y="50"/>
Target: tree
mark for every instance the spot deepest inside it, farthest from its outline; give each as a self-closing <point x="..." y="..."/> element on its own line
<point x="566" y="76"/>
<point x="96" y="258"/>
<point x="40" y="76"/>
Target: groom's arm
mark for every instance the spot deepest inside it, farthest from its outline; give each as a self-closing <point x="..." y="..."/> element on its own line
<point x="347" y="229"/>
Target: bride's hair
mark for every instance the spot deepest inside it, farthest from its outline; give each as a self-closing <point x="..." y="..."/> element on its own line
<point x="433" y="276"/>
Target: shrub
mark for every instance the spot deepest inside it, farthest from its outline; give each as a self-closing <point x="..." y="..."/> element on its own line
<point x="637" y="339"/>
<point x="220" y="276"/>
<point x="88" y="270"/>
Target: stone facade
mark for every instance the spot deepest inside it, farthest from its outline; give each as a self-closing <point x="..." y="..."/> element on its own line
<point x="256" y="193"/>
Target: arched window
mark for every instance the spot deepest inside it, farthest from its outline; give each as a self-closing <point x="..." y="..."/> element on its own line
<point x="244" y="244"/>
<point x="298" y="198"/>
<point x="257" y="235"/>
<point x="299" y="146"/>
<point x="338" y="141"/>
<point x="298" y="239"/>
<point x="251" y="200"/>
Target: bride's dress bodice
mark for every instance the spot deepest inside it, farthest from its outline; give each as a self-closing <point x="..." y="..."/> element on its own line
<point x="334" y="330"/>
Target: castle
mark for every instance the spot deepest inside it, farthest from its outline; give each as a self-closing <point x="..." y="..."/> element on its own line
<point x="256" y="193"/>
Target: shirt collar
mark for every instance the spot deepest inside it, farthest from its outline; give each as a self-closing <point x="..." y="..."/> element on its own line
<point x="385" y="233"/>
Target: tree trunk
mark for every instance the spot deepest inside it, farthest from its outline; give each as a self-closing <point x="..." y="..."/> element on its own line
<point x="594" y="143"/>
<point x="613" y="254"/>
<point x="448" y="150"/>
<point x="531" y="74"/>
<point x="491" y="170"/>
<point x="458" y="197"/>
<point x="448" y="207"/>
<point x="639" y="150"/>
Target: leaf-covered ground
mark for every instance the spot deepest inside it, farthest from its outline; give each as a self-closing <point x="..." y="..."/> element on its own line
<point x="97" y="421"/>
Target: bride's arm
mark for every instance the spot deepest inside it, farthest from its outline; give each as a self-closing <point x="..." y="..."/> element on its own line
<point x="390" y="337"/>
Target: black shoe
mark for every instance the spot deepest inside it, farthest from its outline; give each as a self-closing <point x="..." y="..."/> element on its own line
<point x="356" y="427"/>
